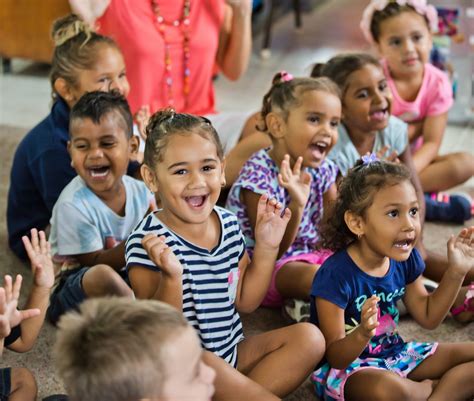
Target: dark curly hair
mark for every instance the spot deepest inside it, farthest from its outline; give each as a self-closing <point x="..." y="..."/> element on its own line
<point x="356" y="193"/>
<point x="165" y="123"/>
<point x="283" y="95"/>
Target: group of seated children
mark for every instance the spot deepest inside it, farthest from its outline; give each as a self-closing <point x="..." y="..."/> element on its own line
<point x="330" y="214"/>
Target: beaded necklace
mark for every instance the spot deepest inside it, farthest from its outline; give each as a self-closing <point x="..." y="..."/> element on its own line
<point x="183" y="23"/>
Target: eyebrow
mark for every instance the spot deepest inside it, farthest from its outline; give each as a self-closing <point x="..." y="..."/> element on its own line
<point x="401" y="204"/>
<point x="181" y="164"/>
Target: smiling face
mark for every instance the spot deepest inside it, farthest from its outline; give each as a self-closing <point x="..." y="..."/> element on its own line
<point x="367" y="100"/>
<point x="100" y="153"/>
<point x="187" y="377"/>
<point x="188" y="179"/>
<point x="392" y="223"/>
<point x="310" y="130"/>
<point x="108" y="73"/>
<point x="405" y="42"/>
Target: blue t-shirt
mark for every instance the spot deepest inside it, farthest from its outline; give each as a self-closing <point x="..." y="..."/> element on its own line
<point x="341" y="282"/>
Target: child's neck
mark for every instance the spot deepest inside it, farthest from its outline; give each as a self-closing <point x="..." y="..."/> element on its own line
<point x="278" y="151"/>
<point x="205" y="235"/>
<point x="115" y="199"/>
<point x="363" y="141"/>
<point x="408" y="85"/>
<point x="368" y="260"/>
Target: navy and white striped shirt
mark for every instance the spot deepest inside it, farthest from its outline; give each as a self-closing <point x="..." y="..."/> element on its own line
<point x="210" y="280"/>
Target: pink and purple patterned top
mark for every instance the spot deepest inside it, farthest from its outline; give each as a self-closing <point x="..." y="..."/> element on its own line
<point x="260" y="175"/>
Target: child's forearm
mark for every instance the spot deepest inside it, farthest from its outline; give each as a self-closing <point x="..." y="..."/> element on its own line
<point x="425" y="155"/>
<point x="291" y="230"/>
<point x="30" y="328"/>
<point x="257" y="279"/>
<point x="340" y="354"/>
<point x="440" y="301"/>
<point x="170" y="291"/>
<point x="114" y="257"/>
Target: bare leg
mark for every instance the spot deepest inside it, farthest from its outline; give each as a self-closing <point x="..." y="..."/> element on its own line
<point x="447" y="171"/>
<point x="102" y="280"/>
<point x="467" y="316"/>
<point x="453" y="365"/>
<point x="383" y="385"/>
<point x="237" y="157"/>
<point x="294" y="280"/>
<point x="23" y="385"/>
<point x="280" y="360"/>
<point x="231" y="385"/>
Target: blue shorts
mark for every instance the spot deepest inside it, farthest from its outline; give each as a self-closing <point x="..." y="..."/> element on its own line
<point x="5" y="383"/>
<point x="67" y="295"/>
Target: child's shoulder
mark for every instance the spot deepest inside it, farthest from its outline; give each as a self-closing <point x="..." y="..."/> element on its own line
<point x="434" y="74"/>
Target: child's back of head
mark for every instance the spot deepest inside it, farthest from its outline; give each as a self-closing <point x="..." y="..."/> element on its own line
<point x="118" y="350"/>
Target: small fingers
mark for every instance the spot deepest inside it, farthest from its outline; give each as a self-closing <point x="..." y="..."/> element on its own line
<point x="17" y="287"/>
<point x="34" y="239"/>
<point x="297" y="166"/>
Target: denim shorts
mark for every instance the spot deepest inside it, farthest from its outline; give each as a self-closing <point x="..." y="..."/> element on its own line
<point x="5" y="383"/>
<point x="67" y="295"/>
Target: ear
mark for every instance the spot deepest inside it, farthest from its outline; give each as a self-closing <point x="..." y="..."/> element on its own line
<point x="223" y="181"/>
<point x="354" y="222"/>
<point x="65" y="91"/>
<point x="275" y="124"/>
<point x="133" y="146"/>
<point x="149" y="178"/>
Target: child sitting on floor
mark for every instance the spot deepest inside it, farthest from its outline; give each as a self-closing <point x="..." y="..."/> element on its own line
<point x="115" y="349"/>
<point x="97" y="210"/>
<point x="373" y="229"/>
<point x="301" y="116"/>
<point x="191" y="254"/>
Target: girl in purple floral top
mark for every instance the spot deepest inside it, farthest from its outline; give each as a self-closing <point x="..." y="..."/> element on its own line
<point x="301" y="115"/>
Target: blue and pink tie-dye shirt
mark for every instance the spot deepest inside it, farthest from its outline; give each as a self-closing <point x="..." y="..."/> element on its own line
<point x="260" y="175"/>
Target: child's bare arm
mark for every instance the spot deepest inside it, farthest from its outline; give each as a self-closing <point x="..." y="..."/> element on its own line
<point x="255" y="278"/>
<point x="164" y="285"/>
<point x="342" y="349"/>
<point x="39" y="253"/>
<point x="433" y="131"/>
<point x="407" y="159"/>
<point x="429" y="310"/>
<point x="113" y="257"/>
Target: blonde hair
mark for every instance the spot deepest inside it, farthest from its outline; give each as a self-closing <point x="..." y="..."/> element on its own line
<point x="75" y="48"/>
<point x="113" y="348"/>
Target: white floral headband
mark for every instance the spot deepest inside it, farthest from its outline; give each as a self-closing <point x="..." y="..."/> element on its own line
<point x="420" y="6"/>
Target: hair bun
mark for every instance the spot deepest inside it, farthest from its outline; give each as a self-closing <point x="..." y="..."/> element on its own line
<point x="69" y="27"/>
<point x="281" y="77"/>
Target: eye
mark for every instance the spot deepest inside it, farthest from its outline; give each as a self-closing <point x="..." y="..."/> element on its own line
<point x="313" y="119"/>
<point x="417" y="37"/>
<point x="362" y="94"/>
<point x="208" y="168"/>
<point x="107" y="144"/>
<point x="383" y="85"/>
<point x="103" y="80"/>
<point x="413" y="211"/>
<point x="395" y="42"/>
<point x="123" y="74"/>
<point x="392" y="213"/>
<point x="180" y="172"/>
<point x="80" y="146"/>
<point x="335" y="124"/>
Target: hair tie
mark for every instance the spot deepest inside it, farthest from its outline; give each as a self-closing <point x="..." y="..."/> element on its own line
<point x="368" y="159"/>
<point x="420" y="6"/>
<point x="72" y="30"/>
<point x="285" y="76"/>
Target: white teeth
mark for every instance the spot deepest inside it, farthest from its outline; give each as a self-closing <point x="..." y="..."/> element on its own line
<point x="321" y="144"/>
<point x="97" y="174"/>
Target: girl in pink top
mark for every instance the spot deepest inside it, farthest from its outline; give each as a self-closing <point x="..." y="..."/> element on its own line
<point x="422" y="94"/>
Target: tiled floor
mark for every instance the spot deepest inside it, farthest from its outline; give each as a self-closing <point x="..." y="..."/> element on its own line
<point x="332" y="27"/>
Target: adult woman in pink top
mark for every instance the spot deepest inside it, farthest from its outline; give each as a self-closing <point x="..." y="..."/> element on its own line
<point x="172" y="49"/>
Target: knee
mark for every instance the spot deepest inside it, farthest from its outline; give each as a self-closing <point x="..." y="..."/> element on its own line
<point x="23" y="380"/>
<point x="310" y="340"/>
<point x="463" y="165"/>
<point x="111" y="281"/>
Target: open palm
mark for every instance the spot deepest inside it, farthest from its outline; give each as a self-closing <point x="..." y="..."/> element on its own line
<point x="271" y="222"/>
<point x="461" y="250"/>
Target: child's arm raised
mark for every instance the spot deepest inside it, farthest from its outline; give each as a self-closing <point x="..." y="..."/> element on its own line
<point x="342" y="349"/>
<point x="39" y="253"/>
<point x="271" y="222"/>
<point x="164" y="285"/>
<point x="298" y="185"/>
<point x="429" y="310"/>
<point x="433" y="131"/>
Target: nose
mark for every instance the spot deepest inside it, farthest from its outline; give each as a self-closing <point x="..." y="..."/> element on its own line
<point x="378" y="98"/>
<point x="409" y="222"/>
<point x="196" y="180"/>
<point x="95" y="153"/>
<point x="409" y="46"/>
<point x="117" y="85"/>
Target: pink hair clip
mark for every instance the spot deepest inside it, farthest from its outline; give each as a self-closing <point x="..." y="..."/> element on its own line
<point x="420" y="6"/>
<point x="286" y="76"/>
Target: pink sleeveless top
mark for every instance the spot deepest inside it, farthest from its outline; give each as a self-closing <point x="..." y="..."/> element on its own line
<point x="131" y="24"/>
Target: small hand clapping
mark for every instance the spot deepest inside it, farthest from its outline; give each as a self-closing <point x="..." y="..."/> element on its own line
<point x="271" y="222"/>
<point x="39" y="252"/>
<point x="461" y="251"/>
<point x="297" y="181"/>
<point x="162" y="255"/>
<point x="369" y="317"/>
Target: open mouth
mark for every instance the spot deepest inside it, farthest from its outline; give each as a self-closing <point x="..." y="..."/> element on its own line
<point x="379" y="115"/>
<point x="99" y="172"/>
<point x="404" y="244"/>
<point x="196" y="201"/>
<point x="410" y="61"/>
<point x="318" y="149"/>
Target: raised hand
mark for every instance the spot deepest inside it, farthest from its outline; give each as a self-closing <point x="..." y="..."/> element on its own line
<point x="368" y="317"/>
<point x="271" y="222"/>
<point x="245" y="6"/>
<point x="142" y="116"/>
<point x="162" y="255"/>
<point x="10" y="316"/>
<point x="39" y="252"/>
<point x="461" y="251"/>
<point x="390" y="157"/>
<point x="297" y="182"/>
